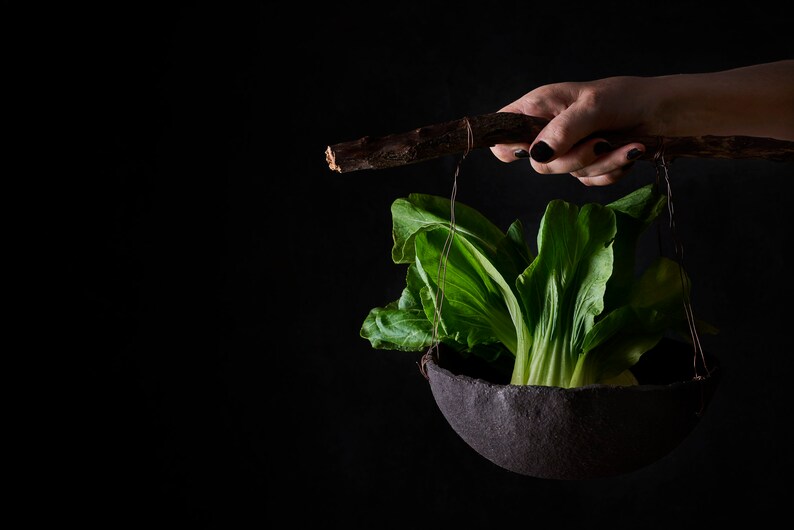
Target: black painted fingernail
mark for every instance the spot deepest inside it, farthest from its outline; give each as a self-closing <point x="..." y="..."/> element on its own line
<point x="634" y="154"/>
<point x="541" y="152"/>
<point x="521" y="153"/>
<point x="602" y="147"/>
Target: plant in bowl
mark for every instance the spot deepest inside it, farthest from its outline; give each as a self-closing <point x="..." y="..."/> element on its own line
<point x="557" y="335"/>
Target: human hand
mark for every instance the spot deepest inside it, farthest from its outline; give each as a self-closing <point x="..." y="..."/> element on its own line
<point x="577" y="110"/>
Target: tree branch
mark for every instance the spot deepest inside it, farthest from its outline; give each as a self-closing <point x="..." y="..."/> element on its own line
<point x="452" y="137"/>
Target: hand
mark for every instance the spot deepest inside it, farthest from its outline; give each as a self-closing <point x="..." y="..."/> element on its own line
<point x="575" y="111"/>
<point x="756" y="100"/>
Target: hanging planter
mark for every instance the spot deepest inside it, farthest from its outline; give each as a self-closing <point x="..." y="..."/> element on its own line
<point x="562" y="333"/>
<point x="589" y="432"/>
<point x="572" y="349"/>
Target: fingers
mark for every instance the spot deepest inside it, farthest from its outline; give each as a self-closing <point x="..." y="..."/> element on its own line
<point x="607" y="178"/>
<point x="565" y="130"/>
<point x="577" y="112"/>
<point x="544" y="102"/>
<point x="568" y="124"/>
<point x="591" y="158"/>
<point x="511" y="152"/>
<point x="594" y="162"/>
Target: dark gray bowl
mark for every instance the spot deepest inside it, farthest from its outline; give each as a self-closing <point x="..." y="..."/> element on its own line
<point x="580" y="433"/>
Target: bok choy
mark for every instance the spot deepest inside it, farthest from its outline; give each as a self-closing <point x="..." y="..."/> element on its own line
<point x="573" y="315"/>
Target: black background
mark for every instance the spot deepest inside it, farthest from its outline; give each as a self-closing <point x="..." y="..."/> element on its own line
<point x="231" y="269"/>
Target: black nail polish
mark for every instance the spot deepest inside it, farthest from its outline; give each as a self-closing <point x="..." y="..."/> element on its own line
<point x="541" y="152"/>
<point x="602" y="147"/>
<point x="634" y="154"/>
<point x="521" y="153"/>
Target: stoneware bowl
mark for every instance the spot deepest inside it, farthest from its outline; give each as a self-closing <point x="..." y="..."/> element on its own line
<point x="580" y="433"/>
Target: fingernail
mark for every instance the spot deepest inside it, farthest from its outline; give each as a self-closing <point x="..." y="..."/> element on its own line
<point x="521" y="153"/>
<point x="602" y="147"/>
<point x="541" y="152"/>
<point x="634" y="154"/>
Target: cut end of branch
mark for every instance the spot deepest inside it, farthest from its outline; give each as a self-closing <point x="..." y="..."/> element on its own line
<point x="331" y="159"/>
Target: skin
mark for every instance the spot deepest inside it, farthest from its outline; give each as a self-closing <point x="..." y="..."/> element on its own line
<point x="755" y="100"/>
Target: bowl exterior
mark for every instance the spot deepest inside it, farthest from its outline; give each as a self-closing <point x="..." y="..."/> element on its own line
<point x="580" y="433"/>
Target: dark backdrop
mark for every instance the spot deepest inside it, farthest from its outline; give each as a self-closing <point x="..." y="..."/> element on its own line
<point x="232" y="269"/>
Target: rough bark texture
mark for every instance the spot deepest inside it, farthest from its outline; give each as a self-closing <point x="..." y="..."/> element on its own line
<point x="452" y="137"/>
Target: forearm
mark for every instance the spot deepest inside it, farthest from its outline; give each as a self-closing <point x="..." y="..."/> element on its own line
<point x="750" y="101"/>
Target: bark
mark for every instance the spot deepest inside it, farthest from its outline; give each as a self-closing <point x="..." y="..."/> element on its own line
<point x="486" y="130"/>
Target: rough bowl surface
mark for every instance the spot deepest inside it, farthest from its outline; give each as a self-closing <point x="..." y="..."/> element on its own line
<point x="580" y="433"/>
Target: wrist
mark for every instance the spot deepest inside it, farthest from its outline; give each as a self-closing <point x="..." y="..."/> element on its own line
<point x="681" y="105"/>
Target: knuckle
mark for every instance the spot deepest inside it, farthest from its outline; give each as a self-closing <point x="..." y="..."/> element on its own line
<point x="580" y="173"/>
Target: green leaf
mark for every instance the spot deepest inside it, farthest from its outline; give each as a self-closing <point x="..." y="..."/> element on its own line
<point x="617" y="341"/>
<point x="625" y="378"/>
<point x="414" y="283"/>
<point x="473" y="309"/>
<point x="562" y="290"/>
<point x="661" y="286"/>
<point x="390" y="328"/>
<point x="421" y="213"/>
<point x="573" y="315"/>
<point x="617" y="355"/>
<point x="643" y="205"/>
<point x="633" y="214"/>
<point x="479" y="307"/>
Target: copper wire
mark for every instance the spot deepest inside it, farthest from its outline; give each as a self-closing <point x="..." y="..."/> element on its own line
<point x="662" y="170"/>
<point x="441" y="274"/>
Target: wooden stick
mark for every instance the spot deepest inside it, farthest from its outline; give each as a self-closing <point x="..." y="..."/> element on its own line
<point x="452" y="137"/>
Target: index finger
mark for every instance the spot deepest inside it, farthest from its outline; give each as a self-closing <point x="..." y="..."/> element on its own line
<point x="564" y="131"/>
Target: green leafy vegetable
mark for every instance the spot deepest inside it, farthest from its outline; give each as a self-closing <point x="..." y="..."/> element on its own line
<point x="573" y="315"/>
